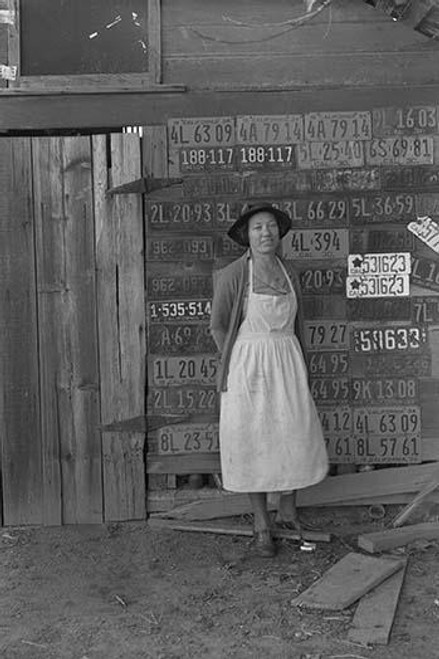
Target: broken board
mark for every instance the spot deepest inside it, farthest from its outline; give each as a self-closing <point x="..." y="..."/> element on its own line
<point x="346" y="581"/>
<point x="383" y="540"/>
<point x="373" y="619"/>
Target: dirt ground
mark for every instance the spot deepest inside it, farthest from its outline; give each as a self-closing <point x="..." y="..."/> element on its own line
<point x="127" y="591"/>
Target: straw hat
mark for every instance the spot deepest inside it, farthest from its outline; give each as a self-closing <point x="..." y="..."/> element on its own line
<point x="239" y="230"/>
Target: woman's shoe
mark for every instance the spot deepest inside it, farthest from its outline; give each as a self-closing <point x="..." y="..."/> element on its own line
<point x="263" y="544"/>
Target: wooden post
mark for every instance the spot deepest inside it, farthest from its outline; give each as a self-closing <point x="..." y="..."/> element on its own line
<point x="20" y="439"/>
<point x="121" y="323"/>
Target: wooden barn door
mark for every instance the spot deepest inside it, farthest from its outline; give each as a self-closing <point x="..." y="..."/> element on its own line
<point x="72" y="330"/>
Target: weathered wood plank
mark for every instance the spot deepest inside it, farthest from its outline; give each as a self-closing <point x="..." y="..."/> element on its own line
<point x="391" y="538"/>
<point x="351" y="70"/>
<point x="20" y="436"/>
<point x="38" y="112"/>
<point x="346" y="581"/>
<point x="158" y="522"/>
<point x="121" y="323"/>
<point x="67" y="330"/>
<point x="373" y="619"/>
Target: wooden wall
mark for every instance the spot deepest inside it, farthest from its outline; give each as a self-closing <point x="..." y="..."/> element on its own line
<point x="72" y="331"/>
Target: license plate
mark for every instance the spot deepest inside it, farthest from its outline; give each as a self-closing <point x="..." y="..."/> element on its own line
<point x="381" y="240"/>
<point x="179" y="338"/>
<point x="425" y="273"/>
<point x="384" y="390"/>
<point x="426" y="230"/>
<point x="398" y="308"/>
<point x="326" y="335"/>
<point x="179" y="310"/>
<point x="410" y="150"/>
<point x="338" y="180"/>
<point x="269" y="129"/>
<point x="316" y="244"/>
<point x="387" y="421"/>
<point x="409" y="178"/>
<point x="405" y="121"/>
<point x="207" y="159"/>
<point x="176" y="248"/>
<point x="382" y="450"/>
<point x="322" y="307"/>
<point x="178" y="370"/>
<point x="425" y="310"/>
<point x="322" y="281"/>
<point x="329" y="390"/>
<point x="277" y="184"/>
<point x="309" y="212"/>
<point x="201" y="131"/>
<point x="181" y="400"/>
<point x="328" y="363"/>
<point x="340" y="449"/>
<point x="266" y="157"/>
<point x="189" y="438"/>
<point x="335" y="126"/>
<point x="225" y="247"/>
<point x="389" y="339"/>
<point x="330" y="154"/>
<point x="427" y="204"/>
<point x="183" y="279"/>
<point x="381" y="364"/>
<point x="375" y="286"/>
<point x="218" y="185"/>
<point x="336" y="420"/>
<point x="382" y="208"/>
<point x="190" y="215"/>
<point x="380" y="264"/>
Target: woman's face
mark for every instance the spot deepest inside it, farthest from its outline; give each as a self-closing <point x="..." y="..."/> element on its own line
<point x="263" y="233"/>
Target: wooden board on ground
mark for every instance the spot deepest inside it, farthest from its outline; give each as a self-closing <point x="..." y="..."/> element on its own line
<point x="234" y="529"/>
<point x="359" y="488"/>
<point x="373" y="619"/>
<point x="346" y="581"/>
<point x="389" y="539"/>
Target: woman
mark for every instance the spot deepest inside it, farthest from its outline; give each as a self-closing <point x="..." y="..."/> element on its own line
<point x="270" y="434"/>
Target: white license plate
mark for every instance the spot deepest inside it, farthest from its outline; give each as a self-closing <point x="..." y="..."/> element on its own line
<point x="426" y="230"/>
<point x="316" y="244"/>
<point x="398" y="263"/>
<point x="374" y="286"/>
<point x="189" y="438"/>
<point x="410" y="150"/>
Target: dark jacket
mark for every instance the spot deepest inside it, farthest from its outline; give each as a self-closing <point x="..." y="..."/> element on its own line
<point x="230" y="285"/>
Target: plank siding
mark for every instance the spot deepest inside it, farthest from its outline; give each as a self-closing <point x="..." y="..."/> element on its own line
<point x="121" y="323"/>
<point x="67" y="337"/>
<point x="20" y="438"/>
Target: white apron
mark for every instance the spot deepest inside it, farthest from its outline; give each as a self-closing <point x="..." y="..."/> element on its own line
<point x="270" y="435"/>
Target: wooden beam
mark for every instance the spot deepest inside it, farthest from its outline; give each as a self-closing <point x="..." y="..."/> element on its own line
<point x="346" y="581"/>
<point x="419" y="498"/>
<point x="29" y="113"/>
<point x="158" y="522"/>
<point x="373" y="619"/>
<point x="385" y="540"/>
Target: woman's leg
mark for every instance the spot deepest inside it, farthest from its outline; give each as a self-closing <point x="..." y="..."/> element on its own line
<point x="260" y="513"/>
<point x="287" y="511"/>
<point x="264" y="544"/>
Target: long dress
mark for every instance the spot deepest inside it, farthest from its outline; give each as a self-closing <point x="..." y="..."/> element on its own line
<point x="271" y="438"/>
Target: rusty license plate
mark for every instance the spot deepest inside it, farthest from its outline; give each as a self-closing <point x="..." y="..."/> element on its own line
<point x="387" y="450"/>
<point x="182" y="370"/>
<point x="188" y="438"/>
<point x="382" y="391"/>
<point x="367" y="209"/>
<point x="183" y="400"/>
<point x="335" y="126"/>
<point x="408" y="150"/>
<point x="311" y="155"/>
<point x="326" y="335"/>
